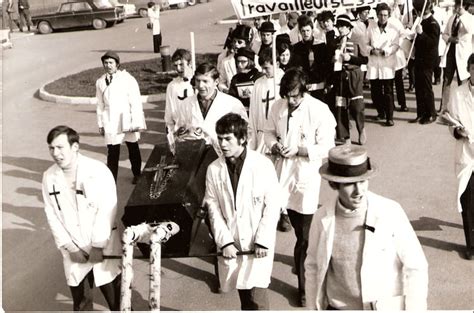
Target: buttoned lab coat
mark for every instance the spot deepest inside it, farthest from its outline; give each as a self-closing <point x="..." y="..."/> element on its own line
<point x="394" y="271"/>
<point x="248" y="219"/>
<point x="154" y="17"/>
<point x="87" y="220"/>
<point x="176" y="92"/>
<point x="461" y="108"/>
<point x="312" y="125"/>
<point x="464" y="45"/>
<point x="190" y="114"/>
<point x="258" y="111"/>
<point x="382" y="67"/>
<point x="119" y="108"/>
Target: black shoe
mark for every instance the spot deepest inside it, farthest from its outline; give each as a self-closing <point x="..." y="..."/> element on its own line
<point x="284" y="224"/>
<point x="389" y="123"/>
<point x="428" y="120"/>
<point x="135" y="180"/>
<point x="416" y="120"/>
<point x="403" y="108"/>
<point x="302" y="301"/>
<point x="469" y="255"/>
<point x="380" y="117"/>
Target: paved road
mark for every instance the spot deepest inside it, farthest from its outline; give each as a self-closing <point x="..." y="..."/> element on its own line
<point x="415" y="163"/>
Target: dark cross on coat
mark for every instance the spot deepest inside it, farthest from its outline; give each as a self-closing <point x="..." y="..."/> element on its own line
<point x="55" y="194"/>
<point x="267" y="100"/>
<point x="185" y="95"/>
<point x="161" y="174"/>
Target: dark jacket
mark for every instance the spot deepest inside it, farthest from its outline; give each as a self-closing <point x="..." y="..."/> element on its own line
<point x="238" y="78"/>
<point x="426" y="43"/>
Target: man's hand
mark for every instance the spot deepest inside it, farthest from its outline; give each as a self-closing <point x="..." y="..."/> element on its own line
<point x="101" y="131"/>
<point x="79" y="256"/>
<point x="230" y="252"/>
<point x="260" y="252"/>
<point x="96" y="255"/>
<point x="419" y="29"/>
<point x="462" y="132"/>
<point x="346" y="57"/>
<point x="288" y="152"/>
<point x="452" y="39"/>
<point x="276" y="148"/>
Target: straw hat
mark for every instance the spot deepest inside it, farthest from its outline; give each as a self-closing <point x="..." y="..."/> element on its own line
<point x="347" y="164"/>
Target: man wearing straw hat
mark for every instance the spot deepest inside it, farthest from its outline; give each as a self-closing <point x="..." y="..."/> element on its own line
<point x="363" y="253"/>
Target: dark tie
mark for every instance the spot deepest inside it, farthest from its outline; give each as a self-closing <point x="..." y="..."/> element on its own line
<point x="455" y="27"/>
<point x="382" y="28"/>
<point x="366" y="22"/>
<point x="108" y="79"/>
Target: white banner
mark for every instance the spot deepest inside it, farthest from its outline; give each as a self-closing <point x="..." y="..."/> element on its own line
<point x="252" y="8"/>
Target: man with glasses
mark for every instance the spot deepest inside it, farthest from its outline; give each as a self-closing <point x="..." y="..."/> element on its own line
<point x="299" y="131"/>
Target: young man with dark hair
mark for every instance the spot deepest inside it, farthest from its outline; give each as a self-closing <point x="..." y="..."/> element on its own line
<point x="299" y="132"/>
<point x="242" y="197"/>
<point x="179" y="88"/>
<point x="202" y="110"/>
<point x="119" y="113"/>
<point x="80" y="200"/>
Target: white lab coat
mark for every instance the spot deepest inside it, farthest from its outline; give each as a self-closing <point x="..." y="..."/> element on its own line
<point x="461" y="108"/>
<point x="393" y="262"/>
<point x="312" y="125"/>
<point x="119" y="107"/>
<point x="382" y="67"/>
<point x="258" y="110"/>
<point x="463" y="47"/>
<point x="248" y="219"/>
<point x="190" y="114"/>
<point x="87" y="220"/>
<point x="227" y="70"/>
<point x="154" y="17"/>
<point x="176" y="92"/>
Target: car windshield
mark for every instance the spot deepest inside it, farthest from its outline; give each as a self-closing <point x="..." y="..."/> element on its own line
<point x="103" y="4"/>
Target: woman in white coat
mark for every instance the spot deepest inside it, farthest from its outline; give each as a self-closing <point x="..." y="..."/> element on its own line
<point x="80" y="201"/>
<point x="299" y="131"/>
<point x="154" y="17"/>
<point x="461" y="109"/>
<point x="242" y="195"/>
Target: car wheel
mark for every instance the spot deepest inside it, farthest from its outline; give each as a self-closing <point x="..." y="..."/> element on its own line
<point x="191" y="2"/>
<point x="143" y="12"/>
<point x="44" y="27"/>
<point x="98" y="23"/>
<point x="181" y="5"/>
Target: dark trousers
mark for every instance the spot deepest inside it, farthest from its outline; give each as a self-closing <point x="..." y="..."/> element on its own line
<point x="301" y="224"/>
<point x="157" y="43"/>
<point x="356" y="109"/>
<point x="437" y="71"/>
<point x="25" y="18"/>
<point x="113" y="156"/>
<point x="400" y="88"/>
<point x="254" y="299"/>
<point x="425" y="106"/>
<point x="467" y="203"/>
<point x="411" y="72"/>
<point x="12" y="21"/>
<point x="82" y="295"/>
<point x="451" y="67"/>
<point x="382" y="97"/>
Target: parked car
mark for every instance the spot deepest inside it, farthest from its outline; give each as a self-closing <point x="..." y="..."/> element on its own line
<point x="142" y="5"/>
<point x="79" y="14"/>
<point x="129" y="9"/>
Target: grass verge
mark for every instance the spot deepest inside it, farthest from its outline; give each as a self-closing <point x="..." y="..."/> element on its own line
<point x="147" y="72"/>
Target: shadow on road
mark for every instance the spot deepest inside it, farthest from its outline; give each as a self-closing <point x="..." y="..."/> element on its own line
<point x="429" y="223"/>
<point x="441" y="245"/>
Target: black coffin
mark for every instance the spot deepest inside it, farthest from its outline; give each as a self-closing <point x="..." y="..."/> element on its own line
<point x="177" y="196"/>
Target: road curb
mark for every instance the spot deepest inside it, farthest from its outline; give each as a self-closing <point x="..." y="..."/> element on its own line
<point x="46" y="96"/>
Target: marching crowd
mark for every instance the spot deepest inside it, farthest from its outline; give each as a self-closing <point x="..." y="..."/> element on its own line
<point x="278" y="117"/>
